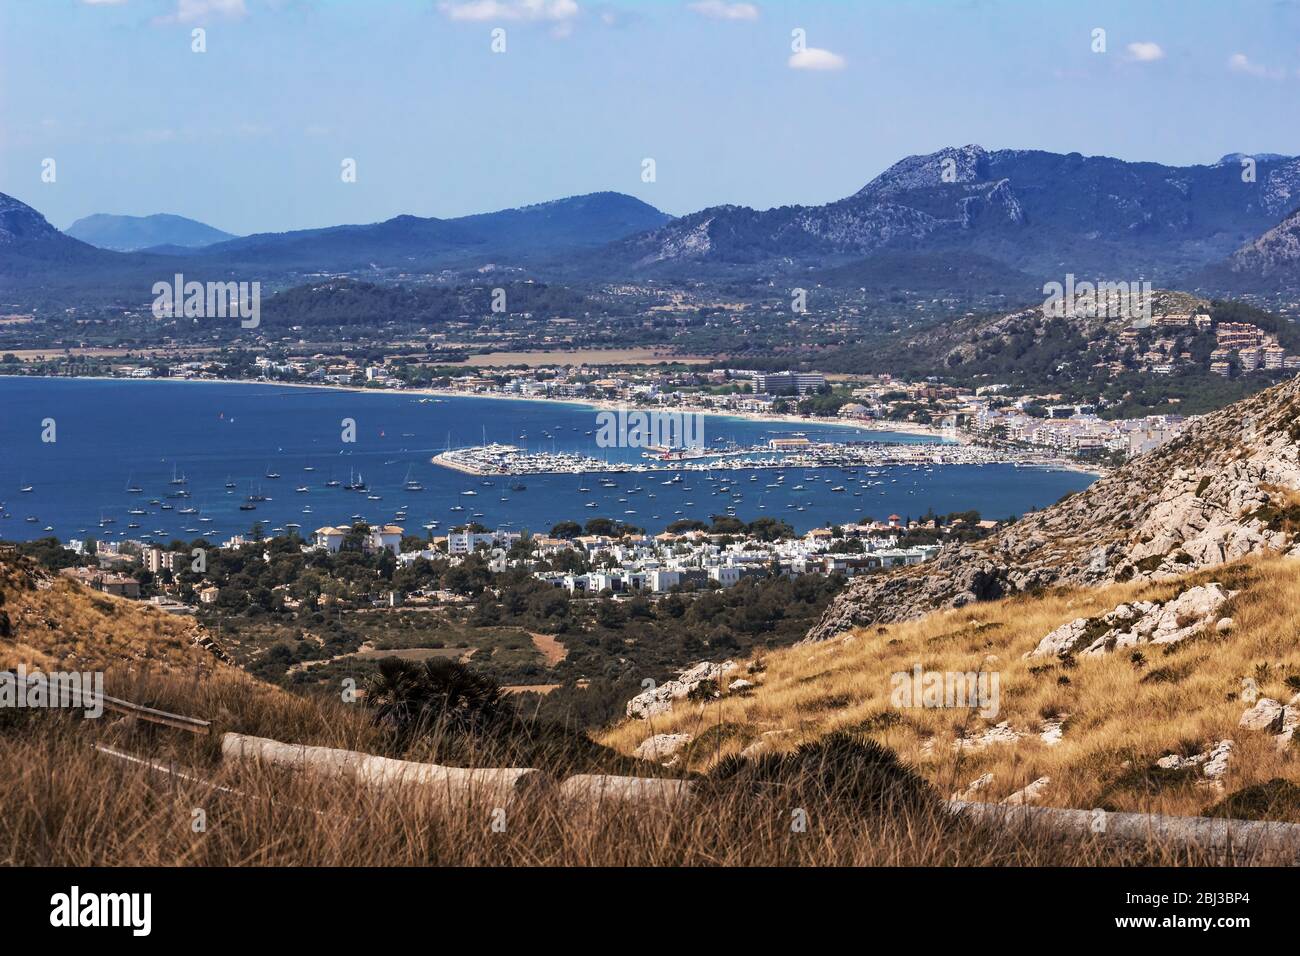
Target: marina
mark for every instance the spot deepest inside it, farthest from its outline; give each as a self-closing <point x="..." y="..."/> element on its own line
<point x="504" y="459"/>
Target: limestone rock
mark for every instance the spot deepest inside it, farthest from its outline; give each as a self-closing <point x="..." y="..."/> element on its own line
<point x="998" y="734"/>
<point x="977" y="786"/>
<point x="659" y="699"/>
<point x="1213" y="762"/>
<point x="1267" y="715"/>
<point x="662" y="746"/>
<point x="1142" y="622"/>
<point x="1053" y="730"/>
<point x="1030" y="794"/>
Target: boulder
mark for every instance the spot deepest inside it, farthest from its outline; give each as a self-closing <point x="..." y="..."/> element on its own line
<point x="662" y="746"/>
<point x="1030" y="794"/>
<point x="1267" y="714"/>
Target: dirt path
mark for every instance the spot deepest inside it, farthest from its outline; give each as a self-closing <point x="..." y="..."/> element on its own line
<point x="549" y="648"/>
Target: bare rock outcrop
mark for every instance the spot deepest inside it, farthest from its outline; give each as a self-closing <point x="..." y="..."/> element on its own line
<point x="1141" y="622"/>
<point x="662" y="746"/>
<point x="1280" y="720"/>
<point x="659" y="699"/>
<point x="1030" y="794"/>
<point x="1228" y="487"/>
<point x="1213" y="763"/>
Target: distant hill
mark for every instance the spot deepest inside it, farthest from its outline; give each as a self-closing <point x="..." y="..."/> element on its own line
<point x="37" y="259"/>
<point x="1275" y="254"/>
<point x="1267" y="263"/>
<point x="411" y="242"/>
<point x="962" y="220"/>
<point x="130" y="233"/>
<point x="1029" y="210"/>
<point x="347" y="302"/>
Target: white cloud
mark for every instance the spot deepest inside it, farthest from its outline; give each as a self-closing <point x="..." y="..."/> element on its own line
<point x="1240" y="63"/>
<point x="201" y="11"/>
<point x="814" y="58"/>
<point x="1145" y="52"/>
<point x="477" y="10"/>
<point x="721" y="10"/>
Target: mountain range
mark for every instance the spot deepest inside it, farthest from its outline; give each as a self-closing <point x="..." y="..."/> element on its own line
<point x="1027" y="210"/>
<point x="36" y="256"/>
<point x="961" y="218"/>
<point x="158" y="232"/>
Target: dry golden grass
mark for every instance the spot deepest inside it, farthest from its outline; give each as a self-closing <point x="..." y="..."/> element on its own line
<point x="68" y="805"/>
<point x="1183" y="698"/>
<point x="59" y="624"/>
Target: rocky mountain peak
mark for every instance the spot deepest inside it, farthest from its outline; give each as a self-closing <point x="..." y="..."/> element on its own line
<point x="19" y="222"/>
<point x="952" y="164"/>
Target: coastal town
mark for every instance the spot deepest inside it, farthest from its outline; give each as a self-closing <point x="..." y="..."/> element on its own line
<point x="986" y="415"/>
<point x="602" y="559"/>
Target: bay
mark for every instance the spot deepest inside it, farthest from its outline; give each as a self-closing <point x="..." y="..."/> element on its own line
<point x="112" y="434"/>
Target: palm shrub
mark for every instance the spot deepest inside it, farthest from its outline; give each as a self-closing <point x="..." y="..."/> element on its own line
<point x="409" y="699"/>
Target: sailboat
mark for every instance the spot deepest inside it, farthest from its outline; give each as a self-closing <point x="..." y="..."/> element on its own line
<point x="177" y="479"/>
<point x="131" y="488"/>
<point x="409" y="483"/>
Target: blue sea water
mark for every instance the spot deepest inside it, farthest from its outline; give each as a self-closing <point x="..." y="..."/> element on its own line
<point x="112" y="434"/>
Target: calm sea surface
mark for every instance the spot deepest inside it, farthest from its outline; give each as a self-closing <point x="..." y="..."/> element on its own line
<point x="111" y="435"/>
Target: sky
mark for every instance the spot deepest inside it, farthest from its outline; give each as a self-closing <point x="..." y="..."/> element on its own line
<point x="761" y="104"/>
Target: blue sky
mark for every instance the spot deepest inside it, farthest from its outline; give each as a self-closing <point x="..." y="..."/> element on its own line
<point x="250" y="135"/>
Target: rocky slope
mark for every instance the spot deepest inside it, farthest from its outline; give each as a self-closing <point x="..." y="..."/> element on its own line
<point x="1274" y="254"/>
<point x="49" y="622"/>
<point x="967" y="345"/>
<point x="1228" y="487"/>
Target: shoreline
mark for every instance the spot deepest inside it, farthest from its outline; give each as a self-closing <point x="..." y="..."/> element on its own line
<point x="900" y="428"/>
